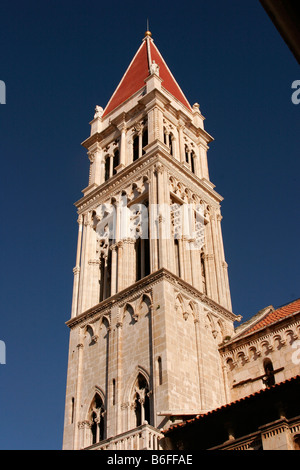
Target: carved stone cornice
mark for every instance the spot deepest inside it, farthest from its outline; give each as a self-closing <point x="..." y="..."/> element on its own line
<point x="143" y="286"/>
<point x="154" y="156"/>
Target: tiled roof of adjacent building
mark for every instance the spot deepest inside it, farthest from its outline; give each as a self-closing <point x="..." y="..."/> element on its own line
<point x="269" y="316"/>
<point x="139" y="69"/>
<point x="295" y="380"/>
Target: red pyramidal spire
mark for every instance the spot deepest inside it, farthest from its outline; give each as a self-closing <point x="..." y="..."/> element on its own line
<point x="139" y="69"/>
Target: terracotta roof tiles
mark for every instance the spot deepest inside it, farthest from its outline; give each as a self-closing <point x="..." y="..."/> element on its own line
<point x="134" y="78"/>
<point x="275" y="315"/>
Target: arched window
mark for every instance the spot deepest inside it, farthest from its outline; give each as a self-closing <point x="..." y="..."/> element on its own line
<point x="187" y="156"/>
<point x="268" y="379"/>
<point x="105" y="273"/>
<point x="192" y="162"/>
<point x="97" y="419"/>
<point x="141" y="400"/>
<point x="142" y="249"/>
<point x="107" y="167"/>
<point x="142" y="254"/>
<point x="168" y="140"/>
<point x="140" y="140"/>
<point x="144" y="139"/>
<point x="190" y="158"/>
<point x="111" y="163"/>
<point x="135" y="147"/>
<point x="116" y="160"/>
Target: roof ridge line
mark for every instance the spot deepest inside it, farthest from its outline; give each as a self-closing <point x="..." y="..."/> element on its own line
<point x="147" y="38"/>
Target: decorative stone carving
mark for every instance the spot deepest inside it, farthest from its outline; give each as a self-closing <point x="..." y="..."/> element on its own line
<point x="98" y="112"/>
<point x="154" y="68"/>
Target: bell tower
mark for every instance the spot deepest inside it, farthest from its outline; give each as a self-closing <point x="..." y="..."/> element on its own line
<point x="151" y="299"/>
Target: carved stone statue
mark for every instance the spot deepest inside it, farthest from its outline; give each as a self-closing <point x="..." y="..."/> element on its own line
<point x="98" y="112"/>
<point x="154" y="68"/>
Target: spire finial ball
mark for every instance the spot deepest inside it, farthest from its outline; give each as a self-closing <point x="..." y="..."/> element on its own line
<point x="148" y="33"/>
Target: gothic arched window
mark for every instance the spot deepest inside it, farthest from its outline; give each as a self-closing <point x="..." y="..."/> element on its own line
<point x="268" y="379"/>
<point x="144" y="139"/>
<point x="97" y="419"/>
<point x="116" y="160"/>
<point x="105" y="271"/>
<point x="135" y="147"/>
<point x="193" y="161"/>
<point x="107" y="168"/>
<point x="141" y="400"/>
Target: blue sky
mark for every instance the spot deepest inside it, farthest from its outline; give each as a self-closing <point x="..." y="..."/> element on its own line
<point x="61" y="58"/>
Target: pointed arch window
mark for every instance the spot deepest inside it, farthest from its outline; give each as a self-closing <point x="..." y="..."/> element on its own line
<point x="97" y="419"/>
<point x="141" y="401"/>
<point x="116" y="160"/>
<point x="107" y="167"/>
<point x="268" y="378"/>
<point x="105" y="271"/>
<point x="144" y="139"/>
<point x="135" y="147"/>
<point x="193" y="162"/>
<point x="142" y="250"/>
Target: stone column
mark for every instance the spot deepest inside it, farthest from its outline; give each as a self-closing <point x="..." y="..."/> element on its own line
<point x="181" y="143"/>
<point x="210" y="268"/>
<point x="216" y="252"/>
<point x="162" y="255"/>
<point x="200" y="362"/>
<point x="77" y="395"/>
<point x="76" y="269"/>
<point x="120" y="281"/>
<point x="118" y="406"/>
<point x="155" y="124"/>
<point x="152" y="224"/>
<point x="84" y="263"/>
<point x="113" y="288"/>
<point x="227" y="296"/>
<point x="203" y="162"/>
<point x="95" y="157"/>
<point x="90" y="253"/>
<point x="129" y="262"/>
<point x="123" y="147"/>
<point x="195" y="267"/>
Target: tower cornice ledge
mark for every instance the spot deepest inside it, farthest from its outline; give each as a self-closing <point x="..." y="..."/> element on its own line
<point x="144" y="284"/>
<point x="156" y="152"/>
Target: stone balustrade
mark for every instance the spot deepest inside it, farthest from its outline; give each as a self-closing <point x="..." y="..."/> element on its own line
<point x="144" y="437"/>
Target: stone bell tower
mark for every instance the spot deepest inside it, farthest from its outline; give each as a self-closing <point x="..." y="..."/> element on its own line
<point x="151" y="298"/>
